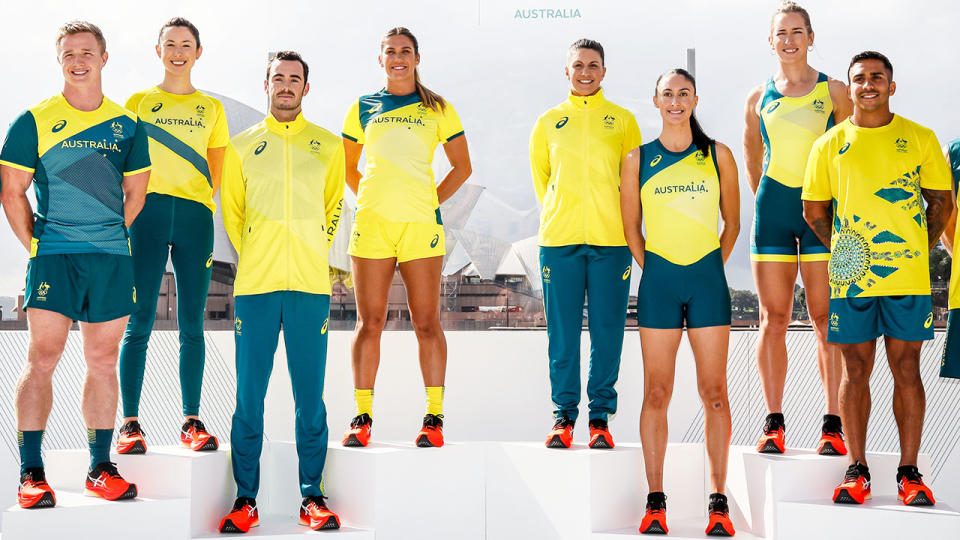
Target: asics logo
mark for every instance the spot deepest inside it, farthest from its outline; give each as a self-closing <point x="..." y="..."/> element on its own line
<point x="209" y="261"/>
<point x="59" y="125"/>
<point x="562" y="122"/>
<point x="156" y="107"/>
<point x="844" y="148"/>
<point x="97" y="482"/>
<point x="773" y="106"/>
<point x="626" y="274"/>
<point x="435" y="241"/>
<point x="260" y="147"/>
<point x="326" y="322"/>
<point x="656" y="160"/>
<point x="929" y="321"/>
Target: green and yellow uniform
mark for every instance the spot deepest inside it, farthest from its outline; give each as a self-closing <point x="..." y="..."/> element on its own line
<point x="873" y="176"/>
<point x="576" y="151"/>
<point x="176" y="223"/>
<point x="950" y="364"/>
<point x="80" y="253"/>
<point x="398" y="213"/>
<point x="788" y="127"/>
<point x="683" y="282"/>
<point x="282" y="195"/>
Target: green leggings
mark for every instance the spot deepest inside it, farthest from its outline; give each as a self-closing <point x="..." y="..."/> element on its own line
<point x="183" y="229"/>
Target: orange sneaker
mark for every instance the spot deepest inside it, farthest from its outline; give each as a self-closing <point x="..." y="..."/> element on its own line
<point x="600" y="434"/>
<point x="194" y="435"/>
<point x="34" y="491"/>
<point x="359" y="432"/>
<point x="105" y="482"/>
<point x="655" y="520"/>
<point x="561" y="436"/>
<point x="910" y="487"/>
<point x="431" y="434"/>
<point x="243" y="516"/>
<point x="855" y="487"/>
<point x="719" y="524"/>
<point x="315" y="514"/>
<point x="831" y="438"/>
<point x="130" y="439"/>
<point x="772" y="440"/>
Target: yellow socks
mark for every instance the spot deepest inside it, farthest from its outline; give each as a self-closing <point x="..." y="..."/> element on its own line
<point x="435" y="400"/>
<point x="364" y="399"/>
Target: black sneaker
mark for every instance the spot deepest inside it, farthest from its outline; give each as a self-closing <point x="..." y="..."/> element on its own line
<point x="719" y="524"/>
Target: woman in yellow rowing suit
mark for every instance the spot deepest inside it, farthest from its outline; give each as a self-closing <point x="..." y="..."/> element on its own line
<point x="188" y="139"/>
<point x="680" y="185"/>
<point x="397" y="222"/>
<point x="783" y="118"/>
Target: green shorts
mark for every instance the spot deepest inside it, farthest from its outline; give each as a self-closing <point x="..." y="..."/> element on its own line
<point x="862" y="319"/>
<point x="674" y="296"/>
<point x="950" y="362"/>
<point x="88" y="287"/>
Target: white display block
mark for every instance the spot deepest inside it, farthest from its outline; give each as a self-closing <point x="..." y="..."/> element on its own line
<point x="163" y="472"/>
<point x="398" y="490"/>
<point x="79" y="517"/>
<point x="536" y="492"/>
<point x="285" y="528"/>
<point x="680" y="529"/>
<point x="757" y="482"/>
<point x="882" y="517"/>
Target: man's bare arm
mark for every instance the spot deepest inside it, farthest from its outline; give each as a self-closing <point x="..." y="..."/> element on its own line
<point x="819" y="215"/>
<point x="939" y="207"/>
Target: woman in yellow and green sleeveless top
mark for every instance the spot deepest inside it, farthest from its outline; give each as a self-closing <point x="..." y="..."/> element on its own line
<point x="783" y="118"/>
<point x="188" y="137"/>
<point x="679" y="186"/>
<point x="398" y="223"/>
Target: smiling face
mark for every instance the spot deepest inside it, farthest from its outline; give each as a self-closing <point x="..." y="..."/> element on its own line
<point x="81" y="59"/>
<point x="790" y="38"/>
<point x="398" y="58"/>
<point x="178" y="50"/>
<point x="585" y="71"/>
<point x="871" y="85"/>
<point x="676" y="99"/>
<point x="285" y="85"/>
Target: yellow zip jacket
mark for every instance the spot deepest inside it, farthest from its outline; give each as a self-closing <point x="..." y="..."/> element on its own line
<point x="576" y="150"/>
<point x="281" y="200"/>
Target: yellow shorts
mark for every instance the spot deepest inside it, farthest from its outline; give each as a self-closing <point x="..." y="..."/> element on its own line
<point x="402" y="241"/>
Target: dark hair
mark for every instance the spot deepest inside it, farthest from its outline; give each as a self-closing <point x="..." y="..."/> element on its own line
<point x="289" y="55"/>
<point x="585" y="43"/>
<point x="702" y="141"/>
<point x="182" y="23"/>
<point x="429" y="98"/>
<point x="80" y="27"/>
<point x="871" y="55"/>
<point x="792" y="7"/>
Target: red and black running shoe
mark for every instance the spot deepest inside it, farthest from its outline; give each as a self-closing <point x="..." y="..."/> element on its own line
<point x="194" y="435"/>
<point x="910" y="487"/>
<point x="855" y="488"/>
<point x="831" y="437"/>
<point x="315" y="514"/>
<point x="772" y="441"/>
<point x="655" y="520"/>
<point x="431" y="434"/>
<point x="359" y="432"/>
<point x="34" y="491"/>
<point x="130" y="439"/>
<point x="600" y="434"/>
<point x="719" y="524"/>
<point x="561" y="436"/>
<point x="105" y="482"/>
<point x="242" y="517"/>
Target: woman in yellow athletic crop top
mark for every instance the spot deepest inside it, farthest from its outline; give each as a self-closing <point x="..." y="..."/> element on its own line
<point x="783" y="118"/>
<point x="398" y="221"/>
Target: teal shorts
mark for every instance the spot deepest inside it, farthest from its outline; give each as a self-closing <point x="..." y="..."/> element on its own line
<point x="950" y="362"/>
<point x="780" y="234"/>
<point x="88" y="287"/>
<point x="862" y="319"/>
<point x="674" y="296"/>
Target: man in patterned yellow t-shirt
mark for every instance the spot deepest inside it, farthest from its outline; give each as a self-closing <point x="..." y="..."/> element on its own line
<point x="863" y="195"/>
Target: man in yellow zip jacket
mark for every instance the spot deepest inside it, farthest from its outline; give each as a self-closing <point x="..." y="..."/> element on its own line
<point x="282" y="194"/>
<point x="576" y="151"/>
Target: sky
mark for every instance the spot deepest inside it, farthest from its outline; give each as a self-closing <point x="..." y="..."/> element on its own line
<point x="500" y="67"/>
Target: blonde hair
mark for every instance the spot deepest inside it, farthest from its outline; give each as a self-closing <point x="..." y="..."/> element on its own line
<point x="79" y="27"/>
<point x="429" y="98"/>
<point x="792" y="7"/>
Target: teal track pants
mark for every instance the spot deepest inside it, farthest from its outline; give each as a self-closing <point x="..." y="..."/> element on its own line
<point x="603" y="273"/>
<point x="303" y="319"/>
<point x="182" y="229"/>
